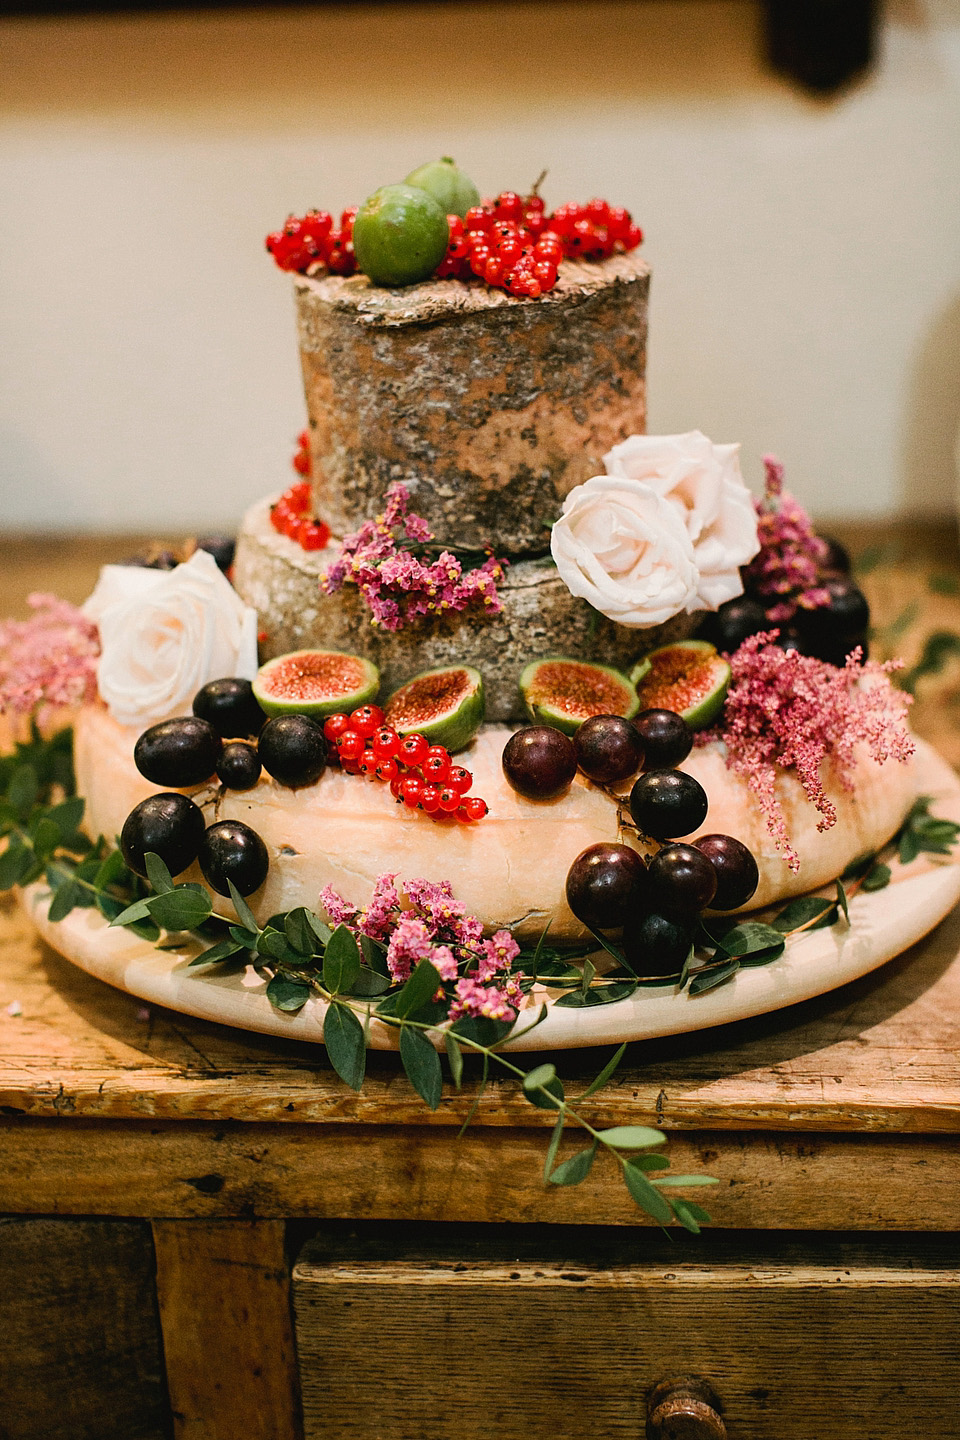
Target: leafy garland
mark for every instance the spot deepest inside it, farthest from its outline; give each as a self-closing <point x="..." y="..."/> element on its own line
<point x="301" y="956"/>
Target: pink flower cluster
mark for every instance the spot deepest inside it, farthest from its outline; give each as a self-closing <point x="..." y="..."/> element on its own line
<point x="385" y="559"/>
<point x="50" y="659"/>
<point x="785" y="572"/>
<point x="427" y="923"/>
<point x="789" y="711"/>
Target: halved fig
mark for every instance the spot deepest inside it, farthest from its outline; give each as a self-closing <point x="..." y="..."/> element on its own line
<point x="445" y="705"/>
<point x="315" y="682"/>
<point x="689" y="678"/>
<point x="563" y="693"/>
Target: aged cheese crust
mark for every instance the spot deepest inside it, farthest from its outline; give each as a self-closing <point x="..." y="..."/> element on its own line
<point x="540" y="617"/>
<point x="510" y="869"/>
<point x="489" y="408"/>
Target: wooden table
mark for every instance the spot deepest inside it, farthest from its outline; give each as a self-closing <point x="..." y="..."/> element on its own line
<point x="839" y="1115"/>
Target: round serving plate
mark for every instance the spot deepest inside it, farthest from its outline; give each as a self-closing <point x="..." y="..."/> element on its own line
<point x="882" y="925"/>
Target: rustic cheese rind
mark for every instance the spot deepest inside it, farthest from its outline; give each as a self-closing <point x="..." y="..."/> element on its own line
<point x="489" y="408"/>
<point x="540" y="617"/>
<point x="510" y="869"/>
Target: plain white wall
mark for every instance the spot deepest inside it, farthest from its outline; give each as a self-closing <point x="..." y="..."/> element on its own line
<point x="806" y="253"/>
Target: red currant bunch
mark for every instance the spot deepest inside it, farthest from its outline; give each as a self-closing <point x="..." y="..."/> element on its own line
<point x="291" y="516"/>
<point x="312" y="239"/>
<point x="420" y="775"/>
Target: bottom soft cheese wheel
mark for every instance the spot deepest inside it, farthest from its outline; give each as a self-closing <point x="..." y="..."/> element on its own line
<point x="510" y="868"/>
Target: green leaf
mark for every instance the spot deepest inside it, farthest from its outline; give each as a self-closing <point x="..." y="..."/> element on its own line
<point x="419" y="989"/>
<point x="606" y="1073"/>
<point x="341" y="961"/>
<point x="691" y="1216"/>
<point x="139" y="910"/>
<point x="22" y="790"/>
<point x="859" y="867"/>
<point x="645" y="1195"/>
<point x="45" y="836"/>
<point x="275" y="946"/>
<point x="67" y="816"/>
<point x="181" y="908"/>
<point x="346" y="1044"/>
<point x="287" y="995"/>
<point x="842" y="901"/>
<point x="909" y="847"/>
<point x="223" y="950"/>
<point x="556" y="1135"/>
<point x="945" y="584"/>
<point x="598" y="995"/>
<point x="14" y="864"/>
<point x="749" y="938"/>
<point x="686" y="1180"/>
<point x="612" y="950"/>
<point x="484" y="1074"/>
<point x="576" y="1169"/>
<point x="650" y="1162"/>
<point x="66" y="898"/>
<point x="541" y="941"/>
<point x="113" y="871"/>
<point x="589" y="970"/>
<point x="938" y="648"/>
<point x="247" y="939"/>
<point x="244" y="914"/>
<point x="300" y="933"/>
<point x="422" y="1064"/>
<point x="802" y="911"/>
<point x="709" y="979"/>
<point x="543" y="1078"/>
<point x="878" y="878"/>
<point x="482" y="1030"/>
<point x="369" y="982"/>
<point x="454" y="1058"/>
<point x="322" y="931"/>
<point x="157" y="873"/>
<point x="633" y="1137"/>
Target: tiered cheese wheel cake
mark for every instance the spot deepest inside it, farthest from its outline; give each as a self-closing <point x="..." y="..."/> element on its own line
<point x="489" y="410"/>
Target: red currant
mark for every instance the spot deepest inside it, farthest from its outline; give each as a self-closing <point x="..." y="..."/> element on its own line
<point x="334" y="726"/>
<point x="493" y="270"/>
<point x="387" y="770"/>
<point x="436" y="765"/>
<point x="479" y="258"/>
<point x="449" y="799"/>
<point x="347" y="218"/>
<point x="430" y="799"/>
<point x="367" y="719"/>
<point x="368" y="764"/>
<point x="411" y="790"/>
<point x="350" y="745"/>
<point x="549" y="247"/>
<point x="509" y="206"/>
<point x="475" y="808"/>
<point x="478" y="217"/>
<point x="510" y="251"/>
<point x="633" y="238"/>
<point x="395" y="784"/>
<point x="618" y="221"/>
<point x="313" y="534"/>
<point x="413" y="750"/>
<point x="386" y="743"/>
<point x="545" y="274"/>
<point x="459" y="779"/>
<point x="301" y="460"/>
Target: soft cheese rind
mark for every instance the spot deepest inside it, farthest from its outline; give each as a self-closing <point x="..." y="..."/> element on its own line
<point x="510" y="869"/>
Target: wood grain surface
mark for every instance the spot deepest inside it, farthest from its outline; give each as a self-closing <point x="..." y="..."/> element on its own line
<point x="80" y="1353"/>
<point x="857" y="1347"/>
<point x="767" y="1180"/>
<point x="224" y="1293"/>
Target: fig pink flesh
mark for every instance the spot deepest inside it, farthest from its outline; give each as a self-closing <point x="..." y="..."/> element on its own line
<point x="679" y="680"/>
<point x="313" y="677"/>
<point x="423" y="700"/>
<point x="577" y="690"/>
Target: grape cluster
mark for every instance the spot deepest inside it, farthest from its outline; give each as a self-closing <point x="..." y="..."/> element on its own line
<point x="313" y="239"/>
<point x="656" y="903"/>
<point x="419" y="774"/>
<point x="510" y="243"/>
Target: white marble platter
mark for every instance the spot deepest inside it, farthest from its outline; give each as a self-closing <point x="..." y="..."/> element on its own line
<point x="882" y="925"/>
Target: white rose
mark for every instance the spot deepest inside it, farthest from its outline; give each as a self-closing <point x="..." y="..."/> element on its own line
<point x="702" y="481"/>
<point x="165" y="633"/>
<point x="626" y="550"/>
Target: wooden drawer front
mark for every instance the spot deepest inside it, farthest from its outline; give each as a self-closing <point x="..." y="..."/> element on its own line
<point x="399" y="1350"/>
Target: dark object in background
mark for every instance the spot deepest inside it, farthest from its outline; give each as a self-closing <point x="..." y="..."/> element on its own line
<point x="221" y="547"/>
<point x="820" y="43"/>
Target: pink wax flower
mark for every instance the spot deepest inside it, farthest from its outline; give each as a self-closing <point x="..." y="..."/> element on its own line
<point x="50" y="659"/>
<point x="422" y="920"/>
<point x="788" y="711"/>
<point x="785" y="573"/>
<point x="393" y="563"/>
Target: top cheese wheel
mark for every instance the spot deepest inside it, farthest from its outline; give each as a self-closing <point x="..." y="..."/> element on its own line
<point x="490" y="409"/>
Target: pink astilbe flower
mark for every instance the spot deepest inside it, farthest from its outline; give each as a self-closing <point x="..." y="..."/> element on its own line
<point x="400" y="585"/>
<point x="785" y="573"/>
<point x="788" y="711"/>
<point x="50" y="659"/>
<point x="424" y="921"/>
